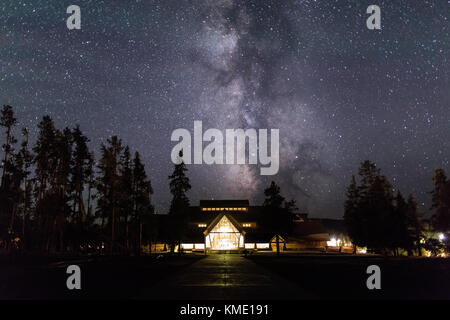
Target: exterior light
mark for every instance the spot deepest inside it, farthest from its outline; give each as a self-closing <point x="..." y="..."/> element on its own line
<point x="332" y="242"/>
<point x="441" y="236"/>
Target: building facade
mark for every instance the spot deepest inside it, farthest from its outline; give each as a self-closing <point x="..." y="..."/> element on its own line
<point x="235" y="226"/>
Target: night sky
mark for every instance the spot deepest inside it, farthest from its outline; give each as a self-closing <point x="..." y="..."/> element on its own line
<point x="338" y="92"/>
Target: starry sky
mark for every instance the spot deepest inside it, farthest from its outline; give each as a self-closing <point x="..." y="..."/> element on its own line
<point x="338" y="92"/>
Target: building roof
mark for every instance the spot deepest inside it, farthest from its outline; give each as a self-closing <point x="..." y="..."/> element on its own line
<point x="304" y="228"/>
<point x="224" y="203"/>
<point x="310" y="229"/>
<point x="218" y="218"/>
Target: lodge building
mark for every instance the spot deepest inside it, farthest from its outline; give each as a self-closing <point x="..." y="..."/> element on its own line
<point x="235" y="226"/>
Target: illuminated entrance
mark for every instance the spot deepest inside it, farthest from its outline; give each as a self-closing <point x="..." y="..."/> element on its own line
<point x="224" y="236"/>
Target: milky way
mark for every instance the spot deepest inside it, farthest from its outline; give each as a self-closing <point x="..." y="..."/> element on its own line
<point x="338" y="92"/>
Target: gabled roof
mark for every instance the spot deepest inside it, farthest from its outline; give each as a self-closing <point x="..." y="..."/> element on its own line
<point x="218" y="218"/>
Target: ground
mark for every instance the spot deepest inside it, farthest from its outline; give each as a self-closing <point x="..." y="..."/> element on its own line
<point x="344" y="276"/>
<point x="226" y="276"/>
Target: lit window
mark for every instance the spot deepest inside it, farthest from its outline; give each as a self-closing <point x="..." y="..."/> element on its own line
<point x="262" y="245"/>
<point x="187" y="245"/>
<point x="249" y="246"/>
<point x="224" y="236"/>
<point x="209" y="209"/>
<point x="246" y="225"/>
<point x="199" y="246"/>
<point x="202" y="225"/>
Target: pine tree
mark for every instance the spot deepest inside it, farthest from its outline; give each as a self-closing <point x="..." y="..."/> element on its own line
<point x="44" y="150"/>
<point x="179" y="185"/>
<point x="352" y="217"/>
<point x="179" y="206"/>
<point x="368" y="172"/>
<point x="61" y="185"/>
<point x="273" y="197"/>
<point x="46" y="163"/>
<point x="126" y="194"/>
<point x="278" y="212"/>
<point x="108" y="184"/>
<point x="378" y="206"/>
<point x="378" y="220"/>
<point x="142" y="206"/>
<point x="439" y="180"/>
<point x="398" y="234"/>
<point x="9" y="191"/>
<point x="370" y="209"/>
<point x="414" y="224"/>
<point x="8" y="188"/>
<point x="90" y="175"/>
<point x="8" y="121"/>
<point x="81" y="168"/>
<point x="22" y="162"/>
<point x="441" y="202"/>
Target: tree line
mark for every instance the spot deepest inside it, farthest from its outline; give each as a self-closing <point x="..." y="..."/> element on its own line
<point x="47" y="198"/>
<point x="55" y="198"/>
<point x="386" y="222"/>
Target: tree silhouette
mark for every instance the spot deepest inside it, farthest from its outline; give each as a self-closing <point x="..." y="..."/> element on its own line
<point x="441" y="202"/>
<point x="375" y="218"/>
<point x="50" y="201"/>
<point x="125" y="195"/>
<point x="414" y="224"/>
<point x="179" y="205"/>
<point x="43" y="194"/>
<point x="273" y="197"/>
<point x="7" y="120"/>
<point x="23" y="162"/>
<point x="278" y="213"/>
<point x="108" y="185"/>
<point x="142" y="207"/>
<point x="81" y="169"/>
<point x="352" y="218"/>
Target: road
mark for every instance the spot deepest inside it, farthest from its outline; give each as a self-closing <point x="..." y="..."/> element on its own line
<point x="224" y="276"/>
